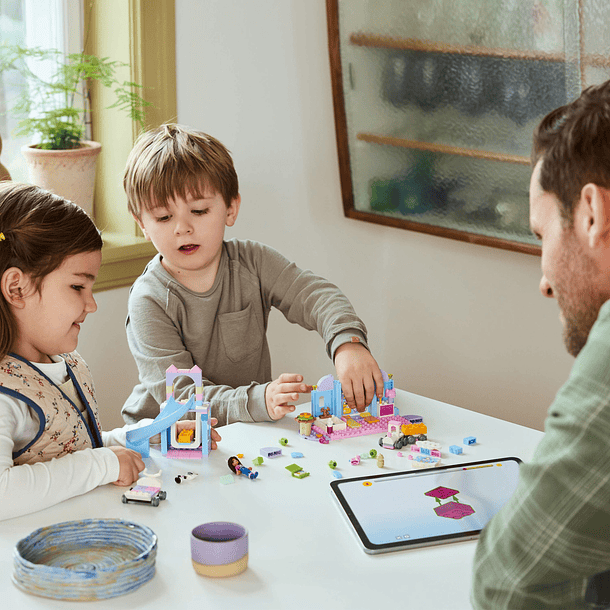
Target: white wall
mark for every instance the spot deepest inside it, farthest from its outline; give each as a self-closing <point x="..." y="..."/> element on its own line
<point x="461" y="323"/>
<point x="103" y="344"/>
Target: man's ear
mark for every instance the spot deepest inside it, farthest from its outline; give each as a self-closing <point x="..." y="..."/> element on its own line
<point x="13" y="285"/>
<point x="233" y="211"/>
<point x="592" y="216"/>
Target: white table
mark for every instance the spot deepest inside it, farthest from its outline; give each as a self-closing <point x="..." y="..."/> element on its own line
<point x="302" y="552"/>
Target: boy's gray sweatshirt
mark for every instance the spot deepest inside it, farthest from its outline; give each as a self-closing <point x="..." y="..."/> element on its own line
<point x="223" y="331"/>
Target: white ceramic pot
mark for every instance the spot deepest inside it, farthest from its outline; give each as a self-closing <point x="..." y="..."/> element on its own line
<point x="68" y="173"/>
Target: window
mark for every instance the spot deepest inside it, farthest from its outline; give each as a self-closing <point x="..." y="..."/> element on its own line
<point x="128" y="32"/>
<point x="53" y="24"/>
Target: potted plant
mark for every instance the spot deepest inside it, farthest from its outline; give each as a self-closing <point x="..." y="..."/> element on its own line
<point x="305" y="422"/>
<point x="53" y="107"/>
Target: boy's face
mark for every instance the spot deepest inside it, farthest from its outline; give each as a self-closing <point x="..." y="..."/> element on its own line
<point x="188" y="234"/>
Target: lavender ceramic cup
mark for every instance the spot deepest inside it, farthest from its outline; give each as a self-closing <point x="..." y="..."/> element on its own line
<point x="219" y="549"/>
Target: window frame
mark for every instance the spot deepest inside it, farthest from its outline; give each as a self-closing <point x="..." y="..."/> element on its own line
<point x="128" y="32"/>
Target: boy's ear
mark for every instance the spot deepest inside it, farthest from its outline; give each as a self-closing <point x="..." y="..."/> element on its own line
<point x="233" y="211"/>
<point x="592" y="216"/>
<point x="141" y="225"/>
<point x="13" y="285"/>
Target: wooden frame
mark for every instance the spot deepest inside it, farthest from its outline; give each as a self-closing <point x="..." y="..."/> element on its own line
<point x="128" y="31"/>
<point x="332" y="7"/>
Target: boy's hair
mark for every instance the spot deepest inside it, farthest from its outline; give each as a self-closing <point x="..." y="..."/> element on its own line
<point x="174" y="160"/>
<point x="573" y="142"/>
<point x="38" y="231"/>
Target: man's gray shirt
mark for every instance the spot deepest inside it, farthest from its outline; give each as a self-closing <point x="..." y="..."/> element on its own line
<point x="223" y="330"/>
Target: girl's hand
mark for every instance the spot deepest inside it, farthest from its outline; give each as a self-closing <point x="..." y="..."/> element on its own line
<point x="130" y="465"/>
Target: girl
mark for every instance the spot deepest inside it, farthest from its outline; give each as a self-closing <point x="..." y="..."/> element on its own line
<point x="50" y="255"/>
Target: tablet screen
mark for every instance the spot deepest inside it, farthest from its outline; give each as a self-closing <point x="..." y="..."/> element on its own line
<point x="421" y="507"/>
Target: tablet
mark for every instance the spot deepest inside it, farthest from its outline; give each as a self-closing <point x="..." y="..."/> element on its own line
<point x="416" y="508"/>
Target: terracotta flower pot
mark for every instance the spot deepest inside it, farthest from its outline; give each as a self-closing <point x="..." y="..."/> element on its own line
<point x="4" y="175"/>
<point x="68" y="173"/>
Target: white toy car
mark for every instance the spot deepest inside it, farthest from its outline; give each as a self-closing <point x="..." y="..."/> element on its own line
<point x="147" y="491"/>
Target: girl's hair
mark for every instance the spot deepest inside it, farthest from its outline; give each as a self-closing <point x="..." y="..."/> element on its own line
<point x="232" y="466"/>
<point x="38" y="231"/>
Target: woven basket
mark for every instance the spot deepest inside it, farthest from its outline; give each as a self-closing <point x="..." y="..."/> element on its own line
<point x="85" y="560"/>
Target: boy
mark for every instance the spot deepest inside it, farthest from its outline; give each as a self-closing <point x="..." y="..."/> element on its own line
<point x="206" y="301"/>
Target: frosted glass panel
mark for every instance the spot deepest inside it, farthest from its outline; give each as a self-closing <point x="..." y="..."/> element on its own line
<point x="441" y="98"/>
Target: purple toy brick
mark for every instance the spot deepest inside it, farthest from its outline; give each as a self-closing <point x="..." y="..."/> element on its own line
<point x="454" y="510"/>
<point x="271" y="452"/>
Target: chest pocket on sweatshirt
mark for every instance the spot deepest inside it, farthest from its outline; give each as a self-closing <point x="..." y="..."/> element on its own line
<point x="241" y="333"/>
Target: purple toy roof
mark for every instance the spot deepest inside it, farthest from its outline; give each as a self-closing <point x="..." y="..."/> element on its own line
<point x="326" y="383"/>
<point x="442" y="492"/>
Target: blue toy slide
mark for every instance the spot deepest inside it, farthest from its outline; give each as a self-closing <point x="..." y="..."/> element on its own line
<point x="139" y="438"/>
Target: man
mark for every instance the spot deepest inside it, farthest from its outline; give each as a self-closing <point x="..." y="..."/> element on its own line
<point x="545" y="545"/>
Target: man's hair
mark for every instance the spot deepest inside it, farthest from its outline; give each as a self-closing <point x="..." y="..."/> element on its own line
<point x="573" y="142"/>
<point x="38" y="231"/>
<point x="174" y="160"/>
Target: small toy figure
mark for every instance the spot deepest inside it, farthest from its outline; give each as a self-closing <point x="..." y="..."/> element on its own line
<point x="185" y="477"/>
<point x="238" y="468"/>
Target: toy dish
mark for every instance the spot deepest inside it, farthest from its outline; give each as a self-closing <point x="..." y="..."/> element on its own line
<point x="85" y="560"/>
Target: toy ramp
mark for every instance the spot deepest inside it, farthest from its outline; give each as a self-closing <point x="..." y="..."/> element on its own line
<point x="139" y="439"/>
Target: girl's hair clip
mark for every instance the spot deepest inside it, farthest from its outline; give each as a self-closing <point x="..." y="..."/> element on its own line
<point x="2" y="237"/>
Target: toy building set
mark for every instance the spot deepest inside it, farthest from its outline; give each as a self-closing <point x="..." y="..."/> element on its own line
<point x="186" y="444"/>
<point x="331" y="417"/>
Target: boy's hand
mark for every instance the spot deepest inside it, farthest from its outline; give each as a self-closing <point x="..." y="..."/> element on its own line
<point x="189" y="424"/>
<point x="285" y="389"/>
<point x="215" y="436"/>
<point x="359" y="375"/>
<point x="130" y="465"/>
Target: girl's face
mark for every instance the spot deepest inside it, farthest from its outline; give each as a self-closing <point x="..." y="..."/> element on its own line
<point x="49" y="321"/>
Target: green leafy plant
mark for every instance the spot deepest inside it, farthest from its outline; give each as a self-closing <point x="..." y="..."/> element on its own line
<point x="56" y="107"/>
